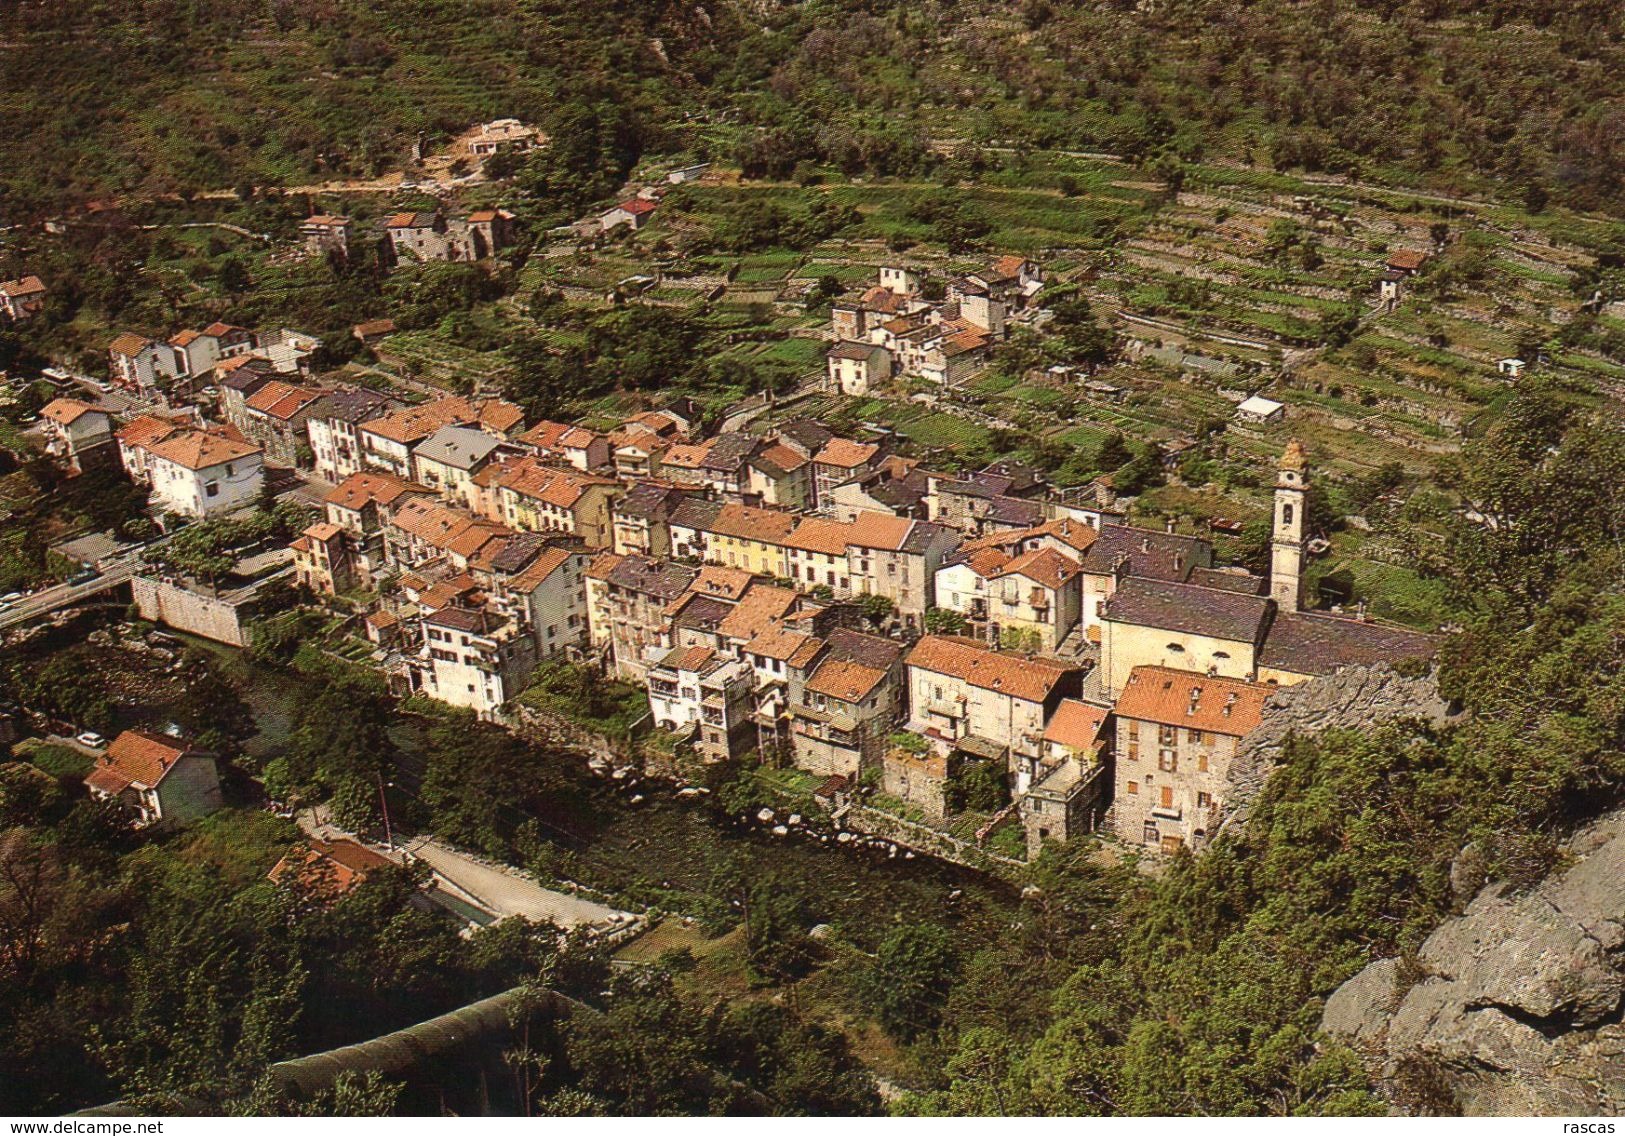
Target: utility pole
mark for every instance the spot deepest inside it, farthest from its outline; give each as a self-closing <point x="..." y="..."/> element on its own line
<point x="383" y="800"/>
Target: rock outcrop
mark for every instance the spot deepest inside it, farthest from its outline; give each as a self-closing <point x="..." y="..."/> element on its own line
<point x="1352" y="698"/>
<point x="1516" y="1006"/>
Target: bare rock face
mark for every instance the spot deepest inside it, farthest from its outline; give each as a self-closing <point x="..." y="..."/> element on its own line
<point x="1351" y="698"/>
<point x="1514" y="1007"/>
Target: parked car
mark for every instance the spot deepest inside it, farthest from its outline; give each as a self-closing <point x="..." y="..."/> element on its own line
<point x="92" y="739"/>
<point x="83" y="576"/>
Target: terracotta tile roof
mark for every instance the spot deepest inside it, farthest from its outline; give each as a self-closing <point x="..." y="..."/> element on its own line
<point x="326" y="219"/>
<point x="778" y="642"/>
<point x="819" y="534"/>
<point x="716" y="580"/>
<point x="967" y="660"/>
<point x="686" y="456"/>
<point x="219" y="330"/>
<point x="1226" y="706"/>
<point x="558" y="487"/>
<point x="1212" y="612"/>
<point x="558" y="435"/>
<point x="1044" y="566"/>
<point x="359" y="489"/>
<point x="482" y="216"/>
<point x="845" y="453"/>
<point x="846" y="681"/>
<point x="184" y="338"/>
<point x="636" y="206"/>
<point x="757" y="611"/>
<point x="447" y="591"/>
<point x="877" y="530"/>
<point x="603" y="565"/>
<point x="550" y="561"/>
<point x="499" y="415"/>
<point x="128" y="343"/>
<point x="450" y="530"/>
<point x="323" y="531"/>
<point x="366" y="329"/>
<point x="779" y="459"/>
<point x="280" y="400"/>
<point x="135" y="758"/>
<point x="1407" y="259"/>
<point x="411" y="221"/>
<point x="688" y="658"/>
<point x="878" y="299"/>
<point x="1006" y="268"/>
<point x="743" y="522"/>
<point x="329" y="868"/>
<point x="415" y="423"/>
<point x="26" y="286"/>
<point x="1075" y="724"/>
<point x="807" y="653"/>
<point x="66" y="410"/>
<point x="201" y="449"/>
<point x="146" y="429"/>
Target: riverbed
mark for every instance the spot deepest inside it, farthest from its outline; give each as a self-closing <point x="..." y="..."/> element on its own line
<point x="680" y="853"/>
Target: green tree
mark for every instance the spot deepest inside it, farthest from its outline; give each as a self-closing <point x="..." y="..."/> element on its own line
<point x="910" y="980"/>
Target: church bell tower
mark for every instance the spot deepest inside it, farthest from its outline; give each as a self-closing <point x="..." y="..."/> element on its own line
<point x="1286" y="543"/>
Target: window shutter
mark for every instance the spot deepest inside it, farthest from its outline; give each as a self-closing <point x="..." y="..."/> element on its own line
<point x="1167" y="796"/>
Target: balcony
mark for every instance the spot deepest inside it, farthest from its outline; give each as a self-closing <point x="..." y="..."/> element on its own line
<point x="1167" y="812"/>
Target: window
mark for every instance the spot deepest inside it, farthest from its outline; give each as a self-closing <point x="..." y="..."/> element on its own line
<point x="1151" y="836"/>
<point x="1286" y="512"/>
<point x="1201" y="762"/>
<point x="1134" y="751"/>
<point x="212" y="489"/>
<point x="1176" y="648"/>
<point x="1167" y="798"/>
<point x="1204" y="800"/>
<point x="1194" y="737"/>
<point x="1132" y="788"/>
<point x="1168" y="761"/>
<point x="1167" y="735"/>
<point x="1133" y="731"/>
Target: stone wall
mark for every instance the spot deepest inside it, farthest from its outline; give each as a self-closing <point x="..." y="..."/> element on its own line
<point x="184" y="610"/>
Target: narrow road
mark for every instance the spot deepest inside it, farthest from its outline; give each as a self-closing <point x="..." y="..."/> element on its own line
<point x="508" y="893"/>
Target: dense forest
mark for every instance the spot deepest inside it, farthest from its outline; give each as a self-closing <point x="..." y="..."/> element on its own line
<point x="1517" y="97"/>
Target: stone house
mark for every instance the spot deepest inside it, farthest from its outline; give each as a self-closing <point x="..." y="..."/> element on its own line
<point x="277" y="417"/>
<point x="1176" y="735"/>
<point x="22" y="299"/>
<point x="331" y="430"/>
<point x="474" y="659"/>
<point x="324" y="233"/>
<point x="846" y="694"/>
<point x="77" y="435"/>
<point x="1067" y="793"/>
<point x="857" y="368"/>
<point x="991" y="704"/>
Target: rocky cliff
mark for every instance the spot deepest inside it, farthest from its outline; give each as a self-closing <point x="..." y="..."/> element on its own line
<point x="1514" y="1007"/>
<point x="1352" y="698"/>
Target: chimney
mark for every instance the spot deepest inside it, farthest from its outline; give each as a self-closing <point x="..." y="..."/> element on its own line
<point x="1179" y="562"/>
<point x="1168" y="526"/>
<point x="1145" y="544"/>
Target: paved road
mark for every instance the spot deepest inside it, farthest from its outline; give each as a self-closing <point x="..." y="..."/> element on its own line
<point x="498" y="893"/>
<point x="505" y="893"/>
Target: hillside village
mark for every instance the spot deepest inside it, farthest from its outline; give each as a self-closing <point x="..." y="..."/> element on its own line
<point x="766" y="558"/>
<point x="815" y="602"/>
